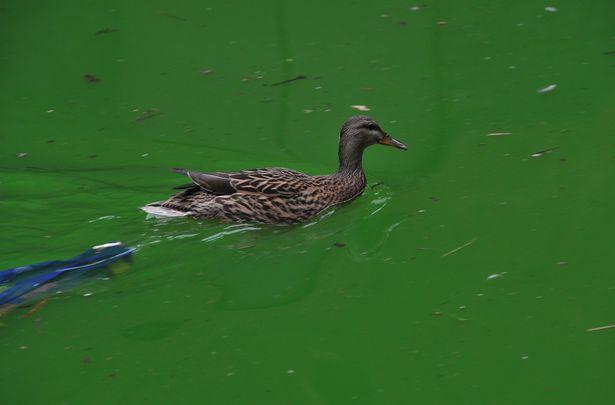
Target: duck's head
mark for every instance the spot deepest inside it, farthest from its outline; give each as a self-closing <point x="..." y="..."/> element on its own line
<point x="361" y="131"/>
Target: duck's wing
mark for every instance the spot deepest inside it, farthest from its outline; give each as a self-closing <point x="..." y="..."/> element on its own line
<point x="270" y="181"/>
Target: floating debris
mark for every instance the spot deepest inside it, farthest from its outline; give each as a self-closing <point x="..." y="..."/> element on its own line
<point x="300" y="77"/>
<point x="542" y="152"/>
<point x="459" y="247"/>
<point x="290" y="372"/>
<point x="547" y="89"/>
<point x="339" y="245"/>
<point x="50" y="110"/>
<point x="91" y="78"/>
<point x="441" y="23"/>
<point x="34" y="309"/>
<point x="499" y="133"/>
<point x="416" y="7"/>
<point x="206" y="72"/>
<point x="550" y="9"/>
<point x="22" y="154"/>
<point x="169" y="15"/>
<point x="152" y="112"/>
<point x="495" y="275"/>
<point x="106" y="31"/>
<point x="601" y="328"/>
<point x="360" y="107"/>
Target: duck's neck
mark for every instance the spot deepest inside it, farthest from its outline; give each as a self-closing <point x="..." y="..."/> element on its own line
<point x="350" y="156"/>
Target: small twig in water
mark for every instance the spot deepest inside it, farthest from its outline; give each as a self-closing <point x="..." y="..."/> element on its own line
<point x="152" y="112"/>
<point x="34" y="309"/>
<point x="499" y="133"/>
<point x="458" y="248"/>
<point x="601" y="328"/>
<point x="300" y="77"/>
<point x="542" y="152"/>
<point x="106" y="31"/>
<point x="169" y="15"/>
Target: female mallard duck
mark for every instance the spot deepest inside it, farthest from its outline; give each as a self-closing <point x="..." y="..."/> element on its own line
<point x="278" y="195"/>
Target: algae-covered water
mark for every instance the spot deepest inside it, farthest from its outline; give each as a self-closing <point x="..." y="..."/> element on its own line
<point x="469" y="272"/>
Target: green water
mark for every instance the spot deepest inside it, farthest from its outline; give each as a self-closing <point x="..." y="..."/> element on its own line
<point x="469" y="275"/>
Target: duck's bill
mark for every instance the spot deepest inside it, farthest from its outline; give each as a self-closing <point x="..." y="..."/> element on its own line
<point x="388" y="140"/>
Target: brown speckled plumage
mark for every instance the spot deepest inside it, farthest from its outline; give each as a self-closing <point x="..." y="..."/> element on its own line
<point x="279" y="195"/>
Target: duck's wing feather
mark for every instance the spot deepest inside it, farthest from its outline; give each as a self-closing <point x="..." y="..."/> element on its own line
<point x="270" y="181"/>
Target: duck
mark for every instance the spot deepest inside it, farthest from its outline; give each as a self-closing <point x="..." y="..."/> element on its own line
<point x="277" y="195"/>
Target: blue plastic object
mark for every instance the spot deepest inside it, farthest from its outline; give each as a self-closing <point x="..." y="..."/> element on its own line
<point x="25" y="279"/>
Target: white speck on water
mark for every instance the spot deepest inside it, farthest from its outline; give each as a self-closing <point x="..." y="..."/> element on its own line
<point x="87" y="294"/>
<point x="494" y="276"/>
<point x="50" y="110"/>
<point x="550" y="9"/>
<point x="415" y="8"/>
<point x="512" y="67"/>
<point x="421" y="211"/>
<point x="145" y="155"/>
<point x="547" y="89"/>
<point x="480" y="294"/>
<point x="525" y="357"/>
<point x="22" y="154"/>
<point x="290" y="372"/>
<point x="360" y="107"/>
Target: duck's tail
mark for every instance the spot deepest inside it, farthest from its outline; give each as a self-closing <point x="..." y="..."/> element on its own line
<point x="156" y="209"/>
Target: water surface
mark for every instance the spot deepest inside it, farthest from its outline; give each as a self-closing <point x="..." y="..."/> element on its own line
<point x="468" y="275"/>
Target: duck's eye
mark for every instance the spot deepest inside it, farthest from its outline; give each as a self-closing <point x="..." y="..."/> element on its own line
<point x="372" y="125"/>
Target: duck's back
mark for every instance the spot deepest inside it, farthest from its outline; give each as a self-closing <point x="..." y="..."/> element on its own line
<point x="266" y="195"/>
